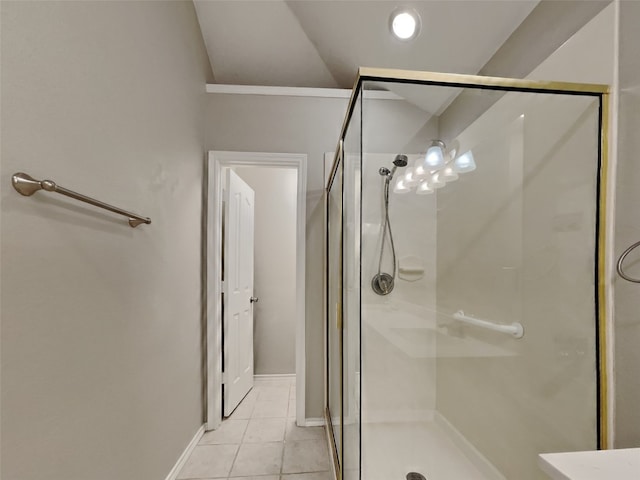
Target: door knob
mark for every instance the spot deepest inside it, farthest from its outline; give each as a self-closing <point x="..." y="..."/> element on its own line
<point x="253" y="299"/>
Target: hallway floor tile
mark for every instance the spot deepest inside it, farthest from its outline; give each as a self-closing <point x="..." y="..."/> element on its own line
<point x="261" y="441"/>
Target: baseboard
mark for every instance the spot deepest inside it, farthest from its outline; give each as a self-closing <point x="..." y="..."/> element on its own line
<point x="267" y="376"/>
<point x="489" y="471"/>
<point x="185" y="455"/>
<point x="313" y="422"/>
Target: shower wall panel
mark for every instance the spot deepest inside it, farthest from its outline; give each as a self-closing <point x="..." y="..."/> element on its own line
<point x="398" y="329"/>
<point x="398" y="341"/>
<point x="516" y="243"/>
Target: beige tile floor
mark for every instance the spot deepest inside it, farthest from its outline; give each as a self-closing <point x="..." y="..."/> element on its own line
<point x="260" y="441"/>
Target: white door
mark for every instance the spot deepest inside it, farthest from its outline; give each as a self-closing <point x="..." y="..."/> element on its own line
<point x="238" y="292"/>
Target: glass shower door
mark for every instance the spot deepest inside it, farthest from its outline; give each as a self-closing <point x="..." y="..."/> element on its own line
<point x="351" y="295"/>
<point x="343" y="301"/>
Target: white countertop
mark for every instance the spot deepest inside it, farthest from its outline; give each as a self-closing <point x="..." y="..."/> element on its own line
<point x="622" y="464"/>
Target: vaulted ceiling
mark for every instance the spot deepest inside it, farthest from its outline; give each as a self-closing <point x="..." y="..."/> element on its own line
<point x="321" y="43"/>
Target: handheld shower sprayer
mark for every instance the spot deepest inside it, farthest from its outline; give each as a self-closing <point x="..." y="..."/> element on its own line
<point x="399" y="161"/>
<point x="382" y="283"/>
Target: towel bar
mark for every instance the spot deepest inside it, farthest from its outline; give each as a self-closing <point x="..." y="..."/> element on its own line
<point x="27" y="185"/>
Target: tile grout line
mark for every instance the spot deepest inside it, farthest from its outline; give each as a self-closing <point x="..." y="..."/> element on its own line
<point x="258" y="443"/>
<point x="241" y="441"/>
<point x="282" y="442"/>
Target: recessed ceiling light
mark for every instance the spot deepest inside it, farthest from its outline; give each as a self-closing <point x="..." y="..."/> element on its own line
<point x="404" y="24"/>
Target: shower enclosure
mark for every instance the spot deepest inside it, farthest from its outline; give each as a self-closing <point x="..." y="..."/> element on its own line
<point x="464" y="277"/>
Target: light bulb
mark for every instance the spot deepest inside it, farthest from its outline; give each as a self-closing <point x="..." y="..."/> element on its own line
<point x="400" y="186"/>
<point x="424" y="188"/>
<point x="434" y="157"/>
<point x="464" y="163"/>
<point x="404" y="23"/>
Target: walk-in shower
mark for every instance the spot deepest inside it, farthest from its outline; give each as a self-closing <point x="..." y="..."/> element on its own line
<point x="464" y="295"/>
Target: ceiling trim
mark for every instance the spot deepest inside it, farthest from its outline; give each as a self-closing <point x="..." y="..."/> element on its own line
<point x="296" y="91"/>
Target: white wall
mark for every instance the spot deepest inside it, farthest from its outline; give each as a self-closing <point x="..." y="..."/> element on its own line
<point x="627" y="295"/>
<point x="274" y="334"/>
<point x="101" y="329"/>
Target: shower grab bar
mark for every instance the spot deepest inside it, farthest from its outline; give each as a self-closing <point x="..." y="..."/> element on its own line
<point x="27" y="185"/>
<point x="515" y="329"/>
<point x="621" y="259"/>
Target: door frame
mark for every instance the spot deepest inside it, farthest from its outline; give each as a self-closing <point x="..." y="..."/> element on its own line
<point x="217" y="161"/>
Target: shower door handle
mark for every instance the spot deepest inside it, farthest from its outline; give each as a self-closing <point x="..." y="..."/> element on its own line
<point x="253" y="299"/>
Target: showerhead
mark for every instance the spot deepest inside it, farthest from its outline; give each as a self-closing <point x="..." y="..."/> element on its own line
<point x="401" y="160"/>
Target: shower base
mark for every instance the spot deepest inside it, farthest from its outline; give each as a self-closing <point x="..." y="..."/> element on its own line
<point x="391" y="450"/>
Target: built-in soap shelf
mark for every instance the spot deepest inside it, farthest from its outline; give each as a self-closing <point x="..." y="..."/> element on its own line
<point x="411" y="268"/>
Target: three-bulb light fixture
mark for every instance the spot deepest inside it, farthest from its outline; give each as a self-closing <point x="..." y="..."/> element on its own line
<point x="434" y="170"/>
